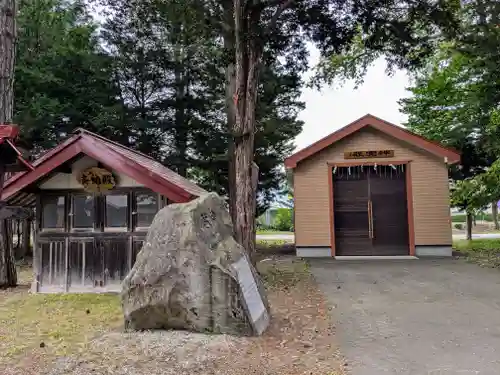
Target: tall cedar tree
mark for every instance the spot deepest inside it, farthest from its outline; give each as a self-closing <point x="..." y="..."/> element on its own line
<point x="8" y="274"/>
<point x="63" y="80"/>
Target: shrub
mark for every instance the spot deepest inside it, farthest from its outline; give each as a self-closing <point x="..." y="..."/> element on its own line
<point x="459" y="226"/>
<point x="284" y="219"/>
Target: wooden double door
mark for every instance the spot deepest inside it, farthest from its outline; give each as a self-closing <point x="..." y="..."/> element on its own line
<point x="370" y="210"/>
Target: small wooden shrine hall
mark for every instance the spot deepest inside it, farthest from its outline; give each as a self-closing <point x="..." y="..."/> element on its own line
<point x="95" y="200"/>
<point x="372" y="189"/>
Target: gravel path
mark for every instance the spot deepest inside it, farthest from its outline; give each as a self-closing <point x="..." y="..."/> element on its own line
<point x="153" y="353"/>
<point x="437" y="317"/>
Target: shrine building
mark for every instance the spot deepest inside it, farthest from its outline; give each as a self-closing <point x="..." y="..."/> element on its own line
<point x="372" y="189"/>
<point x="94" y="200"/>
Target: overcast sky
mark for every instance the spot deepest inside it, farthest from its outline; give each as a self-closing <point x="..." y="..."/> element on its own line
<point x="333" y="107"/>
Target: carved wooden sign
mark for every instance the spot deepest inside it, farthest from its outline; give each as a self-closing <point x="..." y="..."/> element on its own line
<point x="369" y="154"/>
<point x="97" y="180"/>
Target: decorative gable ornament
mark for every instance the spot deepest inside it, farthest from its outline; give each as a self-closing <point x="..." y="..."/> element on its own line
<point x="97" y="180"/>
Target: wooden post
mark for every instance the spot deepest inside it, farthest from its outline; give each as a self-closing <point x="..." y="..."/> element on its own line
<point x="37" y="249"/>
<point x="66" y="265"/>
<point x="26" y="238"/>
<point x="130" y="245"/>
<point x="84" y="244"/>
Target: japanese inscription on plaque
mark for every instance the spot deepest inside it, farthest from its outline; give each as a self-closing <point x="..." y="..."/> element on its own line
<point x="258" y="314"/>
<point x="369" y="154"/>
<point x="97" y="180"/>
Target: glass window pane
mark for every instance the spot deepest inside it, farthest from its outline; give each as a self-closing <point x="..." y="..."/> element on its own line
<point x="83" y="211"/>
<point x="147" y="207"/>
<point x="116" y="211"/>
<point x="53" y="212"/>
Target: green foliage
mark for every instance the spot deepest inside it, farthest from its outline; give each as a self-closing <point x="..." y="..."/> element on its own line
<point x="479" y="41"/>
<point x="458" y="226"/>
<point x="63" y="80"/>
<point x="478" y="244"/>
<point x="406" y="35"/>
<point x="470" y="195"/>
<point x="151" y="77"/>
<point x="479" y="215"/>
<point x="284" y="220"/>
<point x="455" y="99"/>
<point x="474" y="194"/>
<point x="444" y="107"/>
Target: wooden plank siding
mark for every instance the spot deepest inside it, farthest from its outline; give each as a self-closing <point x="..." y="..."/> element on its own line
<point x="429" y="184"/>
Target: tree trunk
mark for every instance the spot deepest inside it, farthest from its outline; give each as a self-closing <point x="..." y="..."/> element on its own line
<point x="494" y="214"/>
<point x="230" y="90"/>
<point x="469" y="218"/>
<point x="8" y="275"/>
<point x="247" y="61"/>
<point x="7" y="58"/>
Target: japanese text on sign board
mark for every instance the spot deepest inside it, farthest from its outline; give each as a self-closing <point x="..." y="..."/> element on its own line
<point x="97" y="180"/>
<point x="369" y="154"/>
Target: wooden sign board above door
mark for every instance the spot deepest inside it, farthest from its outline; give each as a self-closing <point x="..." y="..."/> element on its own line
<point x="369" y="154"/>
<point x="97" y="180"/>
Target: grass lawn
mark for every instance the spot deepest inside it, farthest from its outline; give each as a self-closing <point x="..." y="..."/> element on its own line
<point x="46" y="326"/>
<point x="485" y="252"/>
<point x="272" y="244"/>
<point x="269" y="231"/>
<point x="81" y="334"/>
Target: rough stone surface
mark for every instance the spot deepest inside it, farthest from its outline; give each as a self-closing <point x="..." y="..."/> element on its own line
<point x="183" y="279"/>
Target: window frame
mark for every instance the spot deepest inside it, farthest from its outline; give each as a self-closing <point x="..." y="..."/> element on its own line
<point x="135" y="214"/>
<point x="42" y="198"/>
<point x="71" y="213"/>
<point x="104" y="217"/>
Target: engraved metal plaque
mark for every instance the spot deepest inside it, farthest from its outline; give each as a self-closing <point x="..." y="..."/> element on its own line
<point x="258" y="314"/>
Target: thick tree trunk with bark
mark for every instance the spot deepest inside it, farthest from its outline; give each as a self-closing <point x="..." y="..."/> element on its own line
<point x="245" y="36"/>
<point x="7" y="59"/>
<point x="248" y="54"/>
<point x="8" y="275"/>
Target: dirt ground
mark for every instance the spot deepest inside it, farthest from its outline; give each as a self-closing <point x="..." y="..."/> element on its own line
<point x="300" y="340"/>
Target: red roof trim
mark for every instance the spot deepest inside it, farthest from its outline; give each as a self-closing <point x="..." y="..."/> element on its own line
<point x="386" y="127"/>
<point x="23" y="179"/>
<point x="28" y="166"/>
<point x="9" y="131"/>
<point x="105" y="152"/>
<point x="45" y="157"/>
<point x="121" y="164"/>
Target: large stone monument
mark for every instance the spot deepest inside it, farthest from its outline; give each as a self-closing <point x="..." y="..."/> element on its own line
<point x="191" y="274"/>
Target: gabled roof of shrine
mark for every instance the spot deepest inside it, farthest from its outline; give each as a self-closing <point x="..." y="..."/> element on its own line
<point x="451" y="156"/>
<point x="142" y="168"/>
